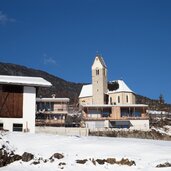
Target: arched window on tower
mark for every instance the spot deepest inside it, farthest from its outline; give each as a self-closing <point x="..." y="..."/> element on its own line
<point x="110" y="100"/>
<point x="127" y="98"/>
<point x="118" y="99"/>
<point x="97" y="71"/>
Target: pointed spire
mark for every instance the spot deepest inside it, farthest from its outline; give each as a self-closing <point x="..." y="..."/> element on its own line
<point x="100" y="58"/>
<point x="98" y="54"/>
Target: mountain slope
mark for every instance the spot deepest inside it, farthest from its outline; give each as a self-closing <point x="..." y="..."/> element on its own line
<point x="154" y="104"/>
<point x="60" y="87"/>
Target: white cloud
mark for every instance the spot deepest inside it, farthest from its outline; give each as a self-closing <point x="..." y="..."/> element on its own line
<point x="49" y="60"/>
<point x="5" y="19"/>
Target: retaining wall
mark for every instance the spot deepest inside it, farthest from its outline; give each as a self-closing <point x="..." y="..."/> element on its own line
<point x="63" y="130"/>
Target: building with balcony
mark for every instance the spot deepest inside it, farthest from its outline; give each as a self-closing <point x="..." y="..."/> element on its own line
<point x="110" y="104"/>
<point x="51" y="111"/>
<point x="116" y="116"/>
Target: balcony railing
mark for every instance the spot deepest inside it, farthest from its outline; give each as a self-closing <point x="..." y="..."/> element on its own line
<point x="120" y="118"/>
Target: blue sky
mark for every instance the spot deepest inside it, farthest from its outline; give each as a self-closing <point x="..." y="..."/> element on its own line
<point x="63" y="36"/>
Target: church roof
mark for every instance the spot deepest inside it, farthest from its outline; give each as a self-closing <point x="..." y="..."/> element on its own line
<point x="22" y="80"/>
<point x="52" y="99"/>
<point x="101" y="60"/>
<point x="86" y="91"/>
<point x="122" y="87"/>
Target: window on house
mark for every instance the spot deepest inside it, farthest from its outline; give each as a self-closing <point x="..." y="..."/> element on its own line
<point x="1" y="126"/>
<point x="97" y="71"/>
<point x="39" y="106"/>
<point x="18" y="127"/>
<point x="118" y="99"/>
<point x="110" y="100"/>
<point x="47" y="106"/>
<point x="105" y="113"/>
<point x="127" y="98"/>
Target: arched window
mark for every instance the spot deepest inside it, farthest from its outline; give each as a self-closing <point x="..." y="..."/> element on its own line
<point x="127" y="98"/>
<point x="118" y="99"/>
<point x="97" y="71"/>
<point x="110" y="100"/>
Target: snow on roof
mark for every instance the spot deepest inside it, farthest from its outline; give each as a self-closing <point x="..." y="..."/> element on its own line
<point x="22" y="80"/>
<point x="86" y="91"/>
<point x="52" y="99"/>
<point x="122" y="87"/>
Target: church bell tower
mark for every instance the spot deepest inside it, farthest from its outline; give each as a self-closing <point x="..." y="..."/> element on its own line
<point x="99" y="81"/>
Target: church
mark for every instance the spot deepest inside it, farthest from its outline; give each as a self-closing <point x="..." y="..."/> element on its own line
<point x="110" y="104"/>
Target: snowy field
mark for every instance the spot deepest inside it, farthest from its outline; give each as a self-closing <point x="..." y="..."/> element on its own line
<point x="146" y="153"/>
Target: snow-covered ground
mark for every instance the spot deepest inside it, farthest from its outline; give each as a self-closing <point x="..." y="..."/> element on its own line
<point x="156" y="112"/>
<point x="146" y="153"/>
<point x="165" y="130"/>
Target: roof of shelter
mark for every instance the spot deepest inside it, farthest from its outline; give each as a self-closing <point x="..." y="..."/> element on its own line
<point x="52" y="99"/>
<point x="22" y="80"/>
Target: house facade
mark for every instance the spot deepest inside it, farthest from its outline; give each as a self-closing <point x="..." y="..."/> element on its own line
<point x="110" y="104"/>
<point x="51" y="111"/>
<point x="18" y="102"/>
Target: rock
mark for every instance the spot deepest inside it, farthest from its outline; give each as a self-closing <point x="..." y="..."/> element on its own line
<point x="127" y="162"/>
<point x="124" y="161"/>
<point x="52" y="160"/>
<point x="3" y="146"/>
<point x="81" y="161"/>
<point x="57" y="156"/>
<point x="111" y="160"/>
<point x="132" y="163"/>
<point x="152" y="134"/>
<point x="61" y="163"/>
<point x="14" y="158"/>
<point x="27" y="157"/>
<point x="101" y="161"/>
<point x="45" y="161"/>
<point x="93" y="161"/>
<point x="6" y="158"/>
<point x="167" y="164"/>
<point x="36" y="162"/>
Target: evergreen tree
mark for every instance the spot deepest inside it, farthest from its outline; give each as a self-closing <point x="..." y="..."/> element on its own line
<point x="161" y="99"/>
